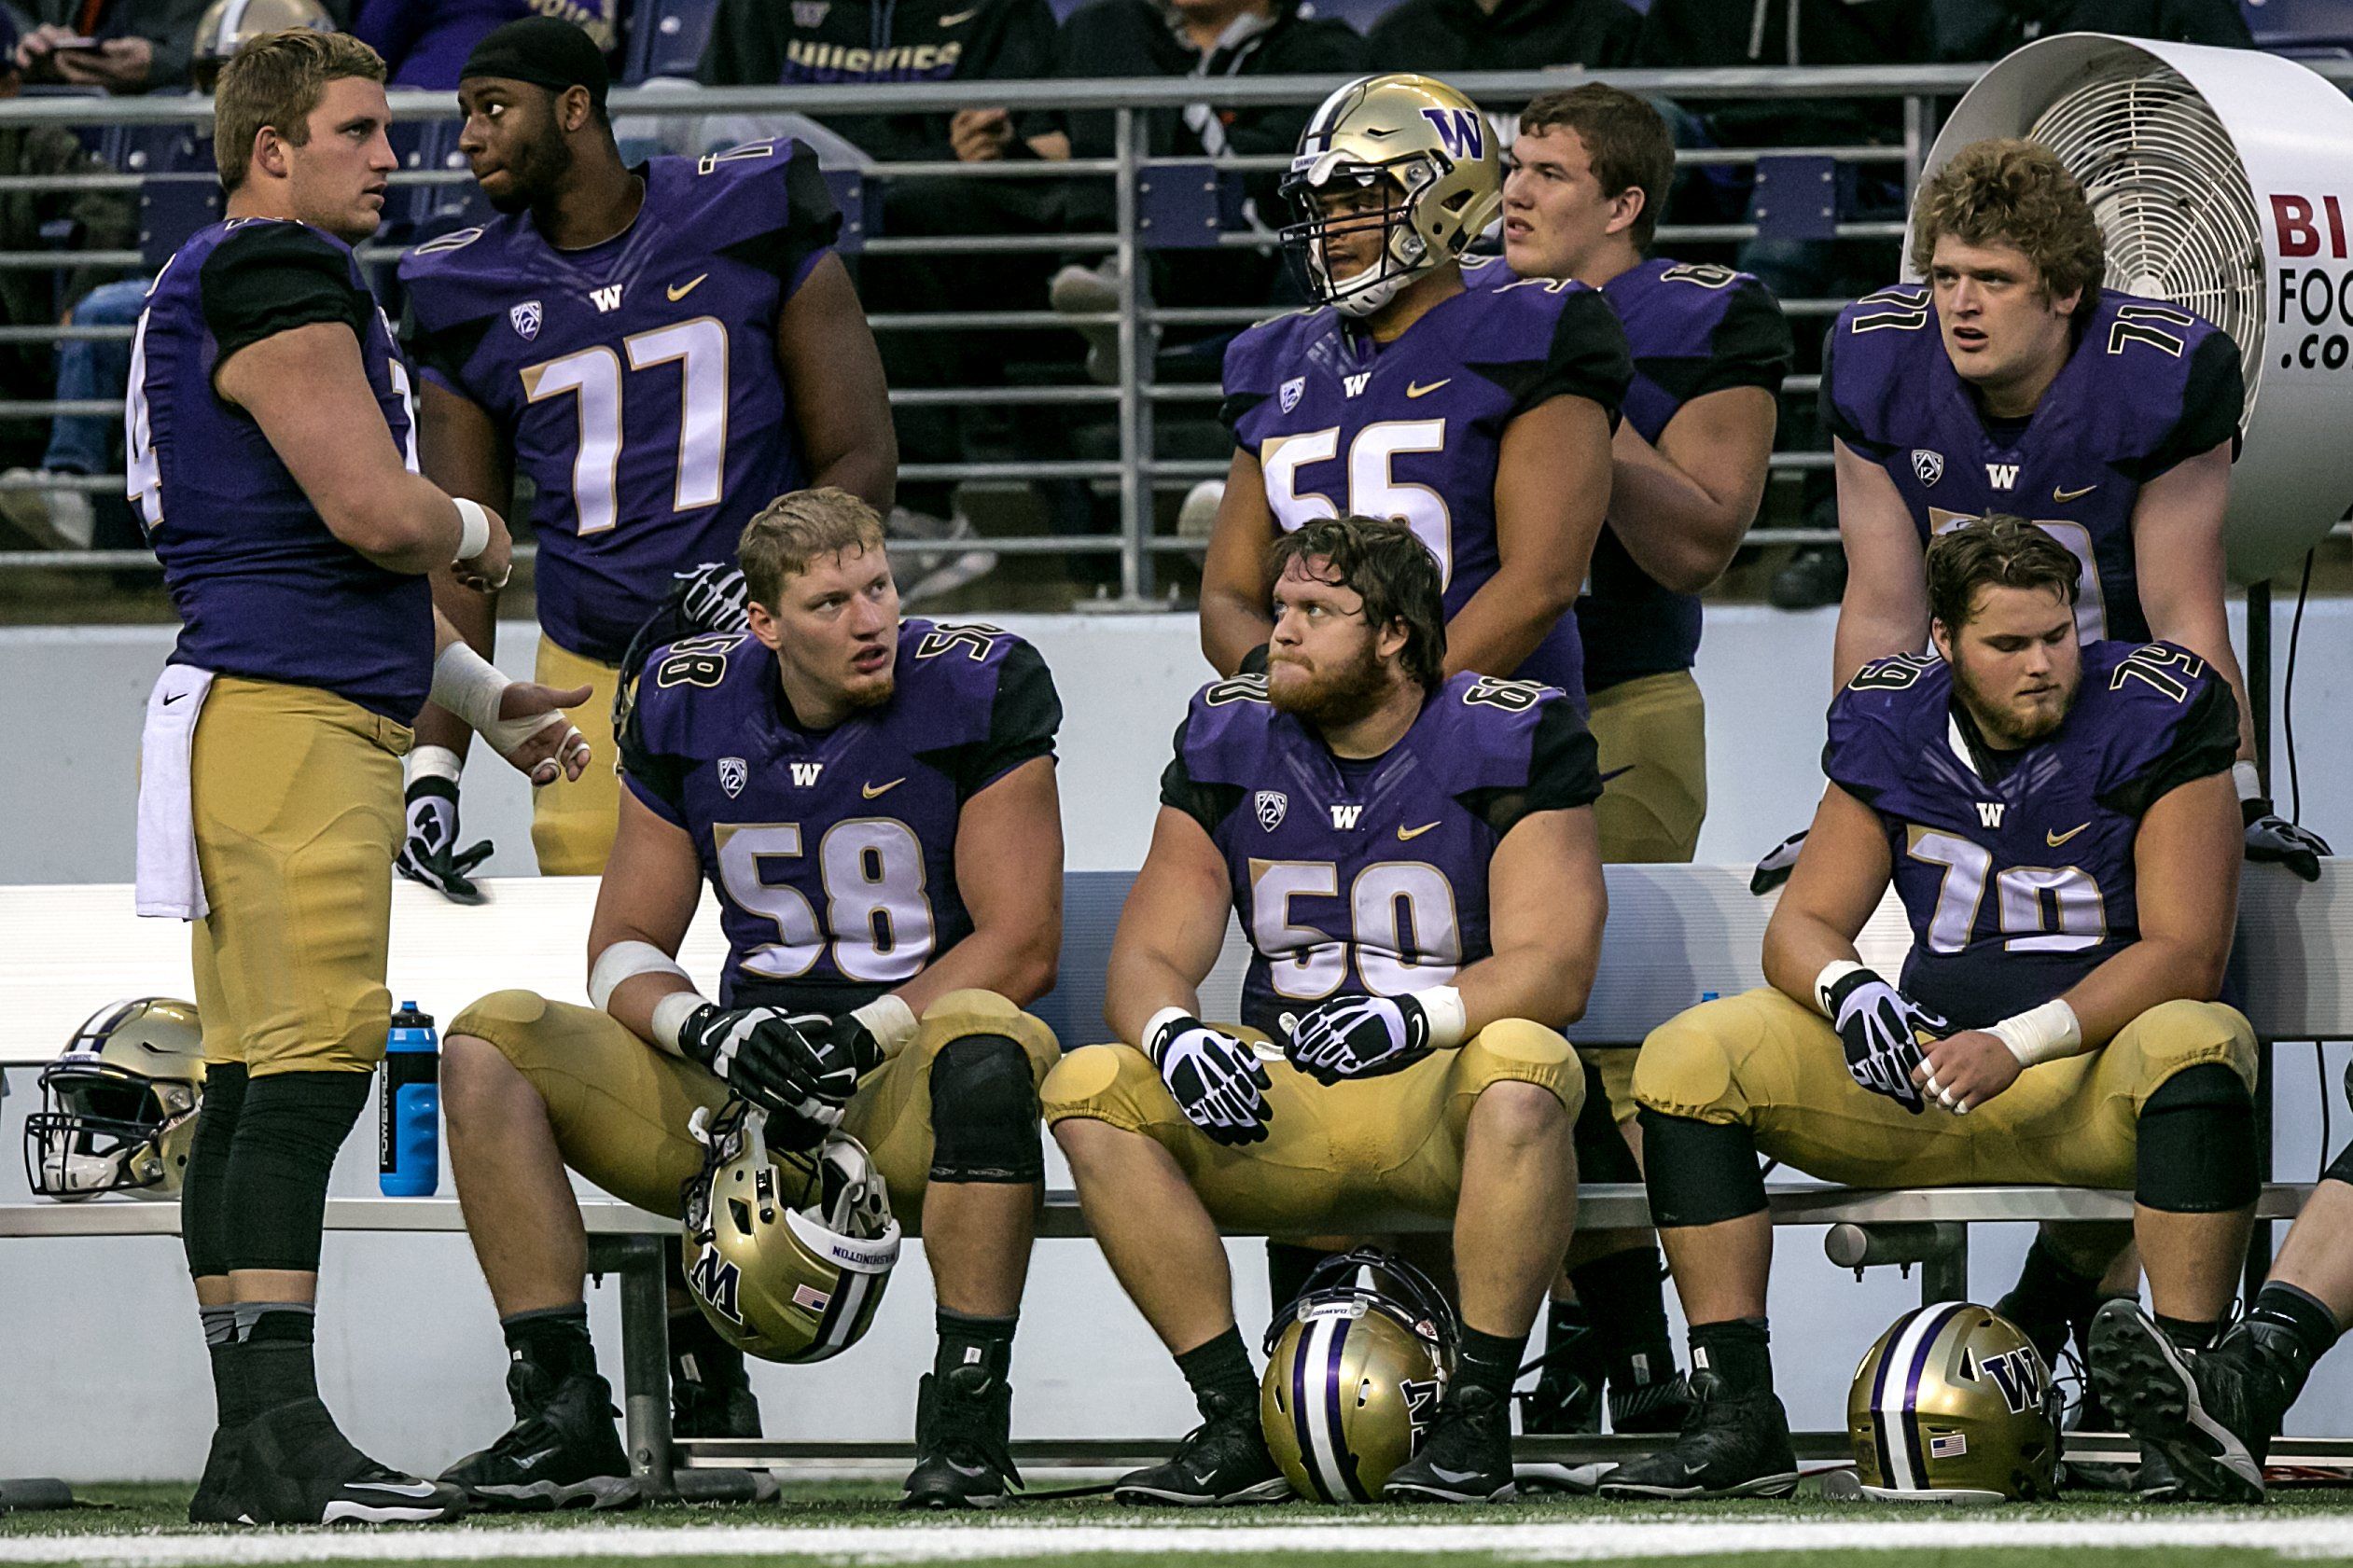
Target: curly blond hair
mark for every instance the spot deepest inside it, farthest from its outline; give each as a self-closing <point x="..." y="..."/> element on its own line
<point x="2014" y="192"/>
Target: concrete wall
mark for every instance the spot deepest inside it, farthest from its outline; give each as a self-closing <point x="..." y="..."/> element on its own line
<point x="101" y="1371"/>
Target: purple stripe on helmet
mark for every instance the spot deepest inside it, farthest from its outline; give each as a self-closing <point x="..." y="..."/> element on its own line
<point x="1912" y="1445"/>
<point x="1344" y="1455"/>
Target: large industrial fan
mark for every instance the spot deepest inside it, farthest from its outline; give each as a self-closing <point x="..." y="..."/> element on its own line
<point x="2223" y="183"/>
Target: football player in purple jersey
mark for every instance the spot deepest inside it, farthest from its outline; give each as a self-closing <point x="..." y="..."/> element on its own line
<point x="872" y="804"/>
<point x="1412" y="856"/>
<point x="662" y="349"/>
<point x="2057" y="819"/>
<point x="1481" y="417"/>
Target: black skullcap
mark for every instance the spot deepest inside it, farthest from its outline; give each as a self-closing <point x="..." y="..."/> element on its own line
<point x="545" y="51"/>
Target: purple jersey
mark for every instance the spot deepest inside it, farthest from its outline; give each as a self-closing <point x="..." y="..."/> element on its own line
<point x="2147" y="386"/>
<point x="1412" y="428"/>
<point x="262" y="587"/>
<point x="2017" y="868"/>
<point x="1316" y="846"/>
<point x="637" y="380"/>
<point x="833" y="851"/>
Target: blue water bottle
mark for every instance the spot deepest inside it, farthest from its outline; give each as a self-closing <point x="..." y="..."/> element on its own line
<point x="409" y="1129"/>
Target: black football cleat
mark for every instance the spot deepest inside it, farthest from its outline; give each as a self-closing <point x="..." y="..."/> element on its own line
<point x="562" y="1453"/>
<point x="214" y="1502"/>
<point x="1729" y="1448"/>
<point x="1466" y="1457"/>
<point x="963" y="1427"/>
<point x="1222" y="1463"/>
<point x="711" y="1396"/>
<point x="2210" y="1414"/>
<point x="1658" y="1406"/>
<point x="1566" y="1398"/>
<point x="295" y="1466"/>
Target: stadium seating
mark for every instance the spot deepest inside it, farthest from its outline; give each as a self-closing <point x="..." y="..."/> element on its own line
<point x="665" y="38"/>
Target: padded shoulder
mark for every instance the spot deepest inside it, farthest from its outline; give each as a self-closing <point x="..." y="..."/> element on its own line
<point x="1226" y="731"/>
<point x="1876" y="721"/>
<point x="1874" y="364"/>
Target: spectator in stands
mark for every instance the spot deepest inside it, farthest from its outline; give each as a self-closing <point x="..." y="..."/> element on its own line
<point x="82" y="221"/>
<point x="1443" y="37"/>
<point x="141" y="45"/>
<point x="1989" y="29"/>
<point x="424" y="42"/>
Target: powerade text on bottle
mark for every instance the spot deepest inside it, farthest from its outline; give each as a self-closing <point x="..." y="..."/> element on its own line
<point x="409" y="1131"/>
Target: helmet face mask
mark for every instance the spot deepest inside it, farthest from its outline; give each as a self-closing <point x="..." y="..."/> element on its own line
<point x="1954" y="1405"/>
<point x="1355" y="1373"/>
<point x="118" y="1104"/>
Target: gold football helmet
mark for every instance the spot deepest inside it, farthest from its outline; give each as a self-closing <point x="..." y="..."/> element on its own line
<point x="1353" y="1374"/>
<point x="227" y="24"/>
<point x="118" y="1104"/>
<point x="1425" y="150"/>
<point x="1954" y="1405"/>
<point x="786" y="1254"/>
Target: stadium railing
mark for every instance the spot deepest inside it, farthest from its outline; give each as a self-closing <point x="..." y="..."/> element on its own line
<point x="1159" y="204"/>
<point x="1675" y="934"/>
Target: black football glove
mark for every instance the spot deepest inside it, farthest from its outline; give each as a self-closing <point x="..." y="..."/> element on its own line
<point x="1779" y="861"/>
<point x="2273" y="836"/>
<point x="428" y="855"/>
<point x="714" y="597"/>
<point x="1357" y="1037"/>
<point x="1880" y="1027"/>
<point x="1217" y="1079"/>
<point x="763" y="1055"/>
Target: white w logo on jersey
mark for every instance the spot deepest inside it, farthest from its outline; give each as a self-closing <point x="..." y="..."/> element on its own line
<point x="2002" y="476"/>
<point x="607" y="298"/>
<point x="1345" y="817"/>
<point x="804" y="774"/>
<point x="1355" y="383"/>
<point x="1989" y="813"/>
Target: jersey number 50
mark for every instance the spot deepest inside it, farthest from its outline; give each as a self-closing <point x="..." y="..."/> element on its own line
<point x="1374" y="490"/>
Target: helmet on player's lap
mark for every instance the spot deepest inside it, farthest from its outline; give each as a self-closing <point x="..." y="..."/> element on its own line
<point x="228" y="24"/>
<point x="1954" y="1405"/>
<point x="1426" y="149"/>
<point x="786" y="1254"/>
<point x="118" y="1104"/>
<point x="1355" y="1370"/>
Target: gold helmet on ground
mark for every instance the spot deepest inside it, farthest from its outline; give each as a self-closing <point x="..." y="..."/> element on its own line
<point x="1420" y="147"/>
<point x="786" y="1254"/>
<point x="1954" y="1405"/>
<point x="118" y="1104"/>
<point x="1355" y="1371"/>
<point x="227" y="24"/>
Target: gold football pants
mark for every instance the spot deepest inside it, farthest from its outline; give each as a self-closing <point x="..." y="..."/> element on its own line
<point x="295" y="795"/>
<point x="572" y="822"/>
<point x="1762" y="1061"/>
<point x="619" y="1106"/>
<point x="1334" y="1153"/>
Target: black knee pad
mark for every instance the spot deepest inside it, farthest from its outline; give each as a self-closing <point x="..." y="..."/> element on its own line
<point x="288" y="1130"/>
<point x="202" y="1213"/>
<point x="1602" y="1153"/>
<point x="2341" y="1167"/>
<point x="1700" y="1173"/>
<point x="2196" y="1144"/>
<point x="984" y="1125"/>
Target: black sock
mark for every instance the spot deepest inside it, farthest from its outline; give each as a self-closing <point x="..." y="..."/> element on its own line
<point x="1626" y="1295"/>
<point x="975" y="1341"/>
<point x="555" y="1340"/>
<point x="2189" y="1334"/>
<point x="1489" y="1361"/>
<point x="698" y="1357"/>
<point x="1739" y="1350"/>
<point x="2049" y="1299"/>
<point x="274" y="1352"/>
<point x="1218" y="1373"/>
<point x="1287" y="1266"/>
<point x="2312" y="1327"/>
<point x="1564" y="1322"/>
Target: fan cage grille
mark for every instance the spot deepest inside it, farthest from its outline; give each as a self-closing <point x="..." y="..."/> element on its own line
<point x="2171" y="196"/>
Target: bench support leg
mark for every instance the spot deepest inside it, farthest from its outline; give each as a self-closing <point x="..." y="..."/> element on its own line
<point x="645" y="1365"/>
<point x="1944" y="1272"/>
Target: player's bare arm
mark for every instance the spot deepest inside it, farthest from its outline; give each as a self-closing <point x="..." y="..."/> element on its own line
<point x="835" y="376"/>
<point x="460" y="449"/>
<point x="1682" y="506"/>
<point x="652" y="882"/>
<point x="1551" y="493"/>
<point x="1170" y="929"/>
<point x="1009" y="867"/>
<point x="1839" y="881"/>
<point x="1886" y="610"/>
<point x="2177" y="564"/>
<point x="1546" y="903"/>
<point x="1234" y="583"/>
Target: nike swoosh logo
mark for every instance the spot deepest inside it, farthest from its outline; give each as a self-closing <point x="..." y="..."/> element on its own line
<point x="539" y="1458"/>
<point x="2065" y="495"/>
<point x="1617" y="773"/>
<point x="1404" y="833"/>
<point x="174" y="698"/>
<point x="2055" y="839"/>
<point x="1416" y="389"/>
<point x="870" y="789"/>
<point x="1453" y="1478"/>
<point x="682" y="290"/>
<point x="414" y="1489"/>
<point x="959" y="18"/>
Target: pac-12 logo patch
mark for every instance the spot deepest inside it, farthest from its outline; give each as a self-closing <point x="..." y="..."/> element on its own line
<point x="1928" y="465"/>
<point x="1273" y="806"/>
<point x="525" y="318"/>
<point x="1291" y="391"/>
<point x="734" y="773"/>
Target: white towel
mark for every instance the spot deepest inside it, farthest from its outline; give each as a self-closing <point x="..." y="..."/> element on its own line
<point x="170" y="883"/>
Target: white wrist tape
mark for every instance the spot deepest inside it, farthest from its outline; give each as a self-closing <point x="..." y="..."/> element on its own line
<point x="1448" y="1020"/>
<point x="435" y="762"/>
<point x="472" y="688"/>
<point x="473" y="526"/>
<point x="2042" y="1033"/>
<point x="1152" y="1027"/>
<point x="2245" y="780"/>
<point x="1835" y="971"/>
<point x="670" y="1016"/>
<point x="890" y="1020"/>
<point x="621" y="961"/>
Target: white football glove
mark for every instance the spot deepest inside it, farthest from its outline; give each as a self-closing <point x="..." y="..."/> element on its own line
<point x="1779" y="861"/>
<point x="1217" y="1079"/>
<point x="1357" y="1037"/>
<point x="1880" y="1027"/>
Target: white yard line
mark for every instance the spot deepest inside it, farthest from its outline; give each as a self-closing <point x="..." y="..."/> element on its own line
<point x="1555" y="1541"/>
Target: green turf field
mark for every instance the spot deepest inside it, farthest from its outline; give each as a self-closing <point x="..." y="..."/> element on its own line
<point x="856" y="1525"/>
